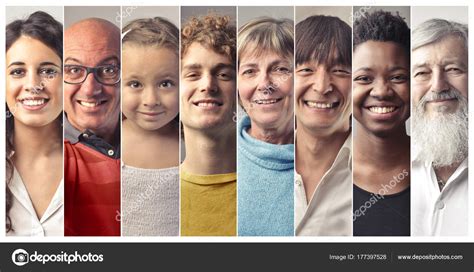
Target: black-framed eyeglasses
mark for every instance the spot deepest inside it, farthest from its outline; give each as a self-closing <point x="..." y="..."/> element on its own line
<point x="104" y="74"/>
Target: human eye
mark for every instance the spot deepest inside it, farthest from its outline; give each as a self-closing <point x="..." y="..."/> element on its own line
<point x="304" y="70"/>
<point x="109" y="70"/>
<point x="73" y="69"/>
<point x="421" y="74"/>
<point x="17" y="72"/>
<point x="454" y="70"/>
<point x="48" y="72"/>
<point x="341" y="71"/>
<point x="248" y="72"/>
<point x="399" y="78"/>
<point x="363" y="79"/>
<point x="134" y="84"/>
<point x="166" y="84"/>
<point x="192" y="75"/>
<point x="225" y="75"/>
<point x="282" y="69"/>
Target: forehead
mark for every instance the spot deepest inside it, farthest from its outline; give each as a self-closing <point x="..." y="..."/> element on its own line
<point x="26" y="50"/>
<point x="374" y="54"/>
<point x="259" y="56"/>
<point x="91" y="45"/>
<point x="203" y="56"/>
<point x="448" y="50"/>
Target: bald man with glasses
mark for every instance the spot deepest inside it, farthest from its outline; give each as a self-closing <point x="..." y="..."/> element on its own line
<point x="92" y="131"/>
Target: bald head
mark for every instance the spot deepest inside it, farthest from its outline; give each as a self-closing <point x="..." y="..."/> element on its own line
<point x="92" y="42"/>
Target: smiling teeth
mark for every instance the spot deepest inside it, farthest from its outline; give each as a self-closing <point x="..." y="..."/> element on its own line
<point x="89" y="104"/>
<point x="33" y="102"/>
<point x="319" y="105"/>
<point x="267" y="101"/>
<point x="207" y="104"/>
<point x="382" y="109"/>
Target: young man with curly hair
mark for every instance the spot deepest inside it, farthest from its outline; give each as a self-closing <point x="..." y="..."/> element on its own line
<point x="208" y="103"/>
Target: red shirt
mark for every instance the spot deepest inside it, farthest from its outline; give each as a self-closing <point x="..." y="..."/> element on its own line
<point x="92" y="185"/>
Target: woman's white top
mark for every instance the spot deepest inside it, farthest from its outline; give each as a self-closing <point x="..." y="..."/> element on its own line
<point x="23" y="216"/>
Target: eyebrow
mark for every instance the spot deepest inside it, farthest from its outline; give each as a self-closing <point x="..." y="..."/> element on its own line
<point x="114" y="58"/>
<point x="45" y="63"/>
<point x="193" y="66"/>
<point x="365" y="69"/>
<point x="395" y="68"/>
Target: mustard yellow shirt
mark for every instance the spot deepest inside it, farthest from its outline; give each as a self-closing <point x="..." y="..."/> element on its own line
<point x="208" y="204"/>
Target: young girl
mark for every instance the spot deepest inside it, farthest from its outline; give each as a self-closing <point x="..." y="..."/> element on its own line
<point x="150" y="128"/>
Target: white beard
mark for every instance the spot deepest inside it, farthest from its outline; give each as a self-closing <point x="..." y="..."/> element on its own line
<point x="442" y="139"/>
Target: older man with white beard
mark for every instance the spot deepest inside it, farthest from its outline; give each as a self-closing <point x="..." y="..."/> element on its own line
<point x="440" y="129"/>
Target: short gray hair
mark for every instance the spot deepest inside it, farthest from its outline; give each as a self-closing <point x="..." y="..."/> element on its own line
<point x="434" y="30"/>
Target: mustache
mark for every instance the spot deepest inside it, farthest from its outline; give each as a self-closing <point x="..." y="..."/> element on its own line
<point x="433" y="96"/>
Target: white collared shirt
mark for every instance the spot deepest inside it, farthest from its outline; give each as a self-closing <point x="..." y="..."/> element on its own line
<point x="329" y="212"/>
<point x="436" y="213"/>
<point x="23" y="216"/>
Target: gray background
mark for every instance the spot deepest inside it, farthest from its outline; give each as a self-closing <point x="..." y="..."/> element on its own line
<point x="14" y="13"/>
<point x="75" y="14"/>
<point x="404" y="11"/>
<point x="130" y="13"/>
<point x="248" y="13"/>
<point x="187" y="12"/>
<point x="343" y="13"/>
<point x="421" y="14"/>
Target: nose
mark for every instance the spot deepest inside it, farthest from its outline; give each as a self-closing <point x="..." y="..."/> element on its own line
<point x="439" y="82"/>
<point x="91" y="87"/>
<point x="34" y="83"/>
<point x="381" y="89"/>
<point x="265" y="83"/>
<point x="150" y="97"/>
<point x="322" y="82"/>
<point x="207" y="83"/>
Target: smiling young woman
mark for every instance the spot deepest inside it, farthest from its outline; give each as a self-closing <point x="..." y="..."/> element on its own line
<point x="381" y="107"/>
<point x="34" y="197"/>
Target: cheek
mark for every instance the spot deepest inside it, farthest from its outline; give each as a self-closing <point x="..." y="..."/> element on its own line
<point x="461" y="84"/>
<point x="130" y="102"/>
<point x="286" y="84"/>
<point x="403" y="92"/>
<point x="245" y="90"/>
<point x="357" y="96"/>
<point x="171" y="101"/>
<point x="13" y="88"/>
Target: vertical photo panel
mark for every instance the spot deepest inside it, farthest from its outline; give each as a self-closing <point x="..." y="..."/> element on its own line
<point x="381" y="108"/>
<point x="150" y="121"/>
<point x="34" y="117"/>
<point x="440" y="121"/>
<point x="265" y="45"/>
<point x="92" y="62"/>
<point x="323" y="107"/>
<point x="208" y="110"/>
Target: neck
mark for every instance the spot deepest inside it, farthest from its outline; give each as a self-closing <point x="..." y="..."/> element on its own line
<point x="381" y="152"/>
<point x="445" y="172"/>
<point x="274" y="135"/>
<point x="208" y="154"/>
<point x="35" y="142"/>
<point x="311" y="145"/>
<point x="131" y="129"/>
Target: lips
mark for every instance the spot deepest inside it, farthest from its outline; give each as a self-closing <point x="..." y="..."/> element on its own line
<point x="382" y="107"/>
<point x="150" y="113"/>
<point x="33" y="103"/>
<point x="321" y="104"/>
<point x="91" y="103"/>
<point x="208" y="103"/>
<point x="267" y="101"/>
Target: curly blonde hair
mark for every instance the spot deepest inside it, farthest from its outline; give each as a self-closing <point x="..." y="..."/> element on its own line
<point x="212" y="31"/>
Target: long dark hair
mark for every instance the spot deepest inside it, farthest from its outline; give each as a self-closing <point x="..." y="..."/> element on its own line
<point x="44" y="28"/>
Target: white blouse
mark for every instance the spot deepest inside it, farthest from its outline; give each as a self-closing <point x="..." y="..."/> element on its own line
<point x="24" y="220"/>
